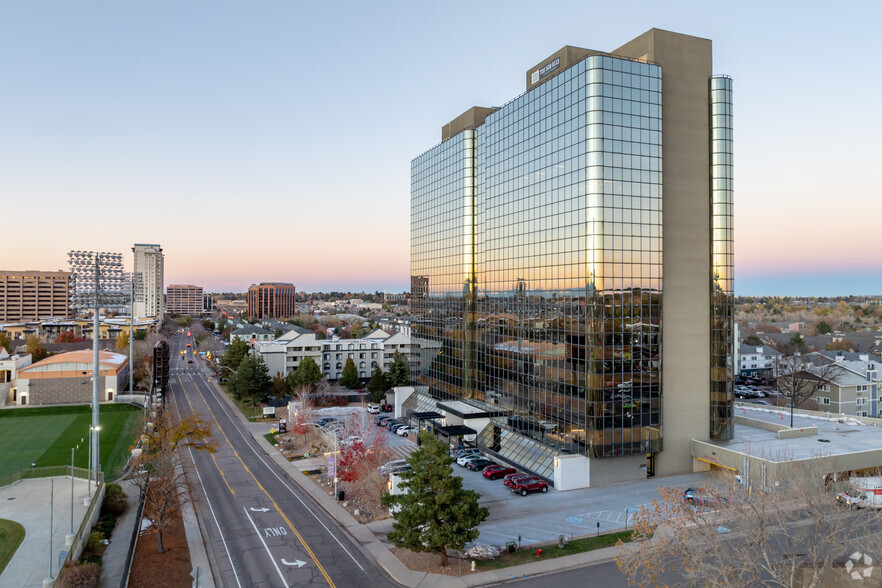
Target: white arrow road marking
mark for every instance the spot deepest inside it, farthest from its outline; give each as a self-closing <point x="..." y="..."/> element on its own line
<point x="259" y="509"/>
<point x="296" y="562"/>
<point x="275" y="565"/>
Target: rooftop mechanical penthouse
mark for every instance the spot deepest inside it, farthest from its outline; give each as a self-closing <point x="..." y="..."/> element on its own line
<point x="572" y="258"/>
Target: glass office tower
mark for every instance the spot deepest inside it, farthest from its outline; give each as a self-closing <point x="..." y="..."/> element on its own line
<point x="537" y="262"/>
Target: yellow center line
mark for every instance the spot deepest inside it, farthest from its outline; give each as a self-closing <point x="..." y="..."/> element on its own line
<point x="259" y="485"/>
<point x="220" y="471"/>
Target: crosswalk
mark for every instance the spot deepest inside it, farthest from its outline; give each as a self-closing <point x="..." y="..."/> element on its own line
<point x="402" y="451"/>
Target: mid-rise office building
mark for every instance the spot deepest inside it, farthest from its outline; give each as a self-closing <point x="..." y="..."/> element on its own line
<point x="271" y="300"/>
<point x="33" y="295"/>
<point x="184" y="299"/>
<point x="571" y="255"/>
<point x="149" y="267"/>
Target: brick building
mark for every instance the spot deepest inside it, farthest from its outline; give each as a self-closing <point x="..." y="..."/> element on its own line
<point x="271" y="300"/>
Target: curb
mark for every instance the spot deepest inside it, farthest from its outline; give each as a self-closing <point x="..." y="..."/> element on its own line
<point x="372" y="547"/>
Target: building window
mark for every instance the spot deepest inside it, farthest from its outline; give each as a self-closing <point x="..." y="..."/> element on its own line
<point x="361" y="374"/>
<point x="823" y="400"/>
<point x="374" y="355"/>
<point x="823" y="388"/>
<point x="339" y="366"/>
<point x="327" y="366"/>
<point x="861" y="401"/>
<point x="373" y="364"/>
<point x="361" y="356"/>
<point x="361" y="365"/>
<point x="861" y="413"/>
<point x="339" y="356"/>
<point x="863" y="388"/>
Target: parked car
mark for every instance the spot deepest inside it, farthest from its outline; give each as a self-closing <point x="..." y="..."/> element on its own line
<point x="392" y="425"/>
<point x="352" y="440"/>
<point x="465" y="459"/>
<point x="510" y="479"/>
<point x="476" y="465"/>
<point x="325" y="421"/>
<point x="386" y="407"/>
<point x="389" y="465"/>
<point x="497" y="471"/>
<point x="405" y="430"/>
<point x="379" y="421"/>
<point x="699" y="497"/>
<point x="529" y="484"/>
<point x="373" y="409"/>
<point x="468" y="451"/>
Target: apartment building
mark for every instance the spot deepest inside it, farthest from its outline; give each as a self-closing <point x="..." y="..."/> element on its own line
<point x="271" y="300"/>
<point x="33" y="295"/>
<point x="184" y="299"/>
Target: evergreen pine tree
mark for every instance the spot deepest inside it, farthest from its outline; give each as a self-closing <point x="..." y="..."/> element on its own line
<point x="434" y="512"/>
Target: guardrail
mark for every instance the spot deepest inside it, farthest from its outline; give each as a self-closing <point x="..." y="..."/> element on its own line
<point x="133" y="542"/>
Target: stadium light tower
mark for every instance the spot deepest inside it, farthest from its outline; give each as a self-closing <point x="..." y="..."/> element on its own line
<point x="99" y="282"/>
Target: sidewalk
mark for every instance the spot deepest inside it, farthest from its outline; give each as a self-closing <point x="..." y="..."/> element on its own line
<point x="27" y="503"/>
<point x="113" y="562"/>
<point x="377" y="550"/>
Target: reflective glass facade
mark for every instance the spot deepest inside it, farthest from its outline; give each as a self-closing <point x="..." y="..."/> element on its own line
<point x="536" y="257"/>
<point x="722" y="424"/>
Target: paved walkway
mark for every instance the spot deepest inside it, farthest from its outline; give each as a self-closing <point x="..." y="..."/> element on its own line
<point x="113" y="562"/>
<point x="376" y="548"/>
<point x="27" y="503"/>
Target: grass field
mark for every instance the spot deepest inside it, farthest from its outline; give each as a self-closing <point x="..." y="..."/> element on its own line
<point x="551" y="551"/>
<point x="11" y="536"/>
<point x="46" y="435"/>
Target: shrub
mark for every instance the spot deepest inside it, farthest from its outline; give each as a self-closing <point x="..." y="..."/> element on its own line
<point x="94" y="543"/>
<point x="82" y="575"/>
<point x="106" y="524"/>
<point x="115" y="500"/>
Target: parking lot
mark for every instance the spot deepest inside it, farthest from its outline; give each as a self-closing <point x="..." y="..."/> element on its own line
<point x="539" y="518"/>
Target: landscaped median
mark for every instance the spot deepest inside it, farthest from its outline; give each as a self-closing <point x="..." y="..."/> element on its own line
<point x="534" y="553"/>
<point x="11" y="536"/>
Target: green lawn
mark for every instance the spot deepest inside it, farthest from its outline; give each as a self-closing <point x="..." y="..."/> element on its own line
<point x="551" y="551"/>
<point x="11" y="536"/>
<point x="46" y="435"/>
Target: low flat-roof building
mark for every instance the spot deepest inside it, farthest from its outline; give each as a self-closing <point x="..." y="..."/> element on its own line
<point x="66" y="378"/>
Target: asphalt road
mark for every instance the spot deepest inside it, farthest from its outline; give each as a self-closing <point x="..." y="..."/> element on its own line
<point x="260" y="529"/>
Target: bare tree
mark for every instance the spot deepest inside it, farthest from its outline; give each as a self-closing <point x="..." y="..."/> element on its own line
<point x="161" y="477"/>
<point x="799" y="378"/>
<point x="792" y="537"/>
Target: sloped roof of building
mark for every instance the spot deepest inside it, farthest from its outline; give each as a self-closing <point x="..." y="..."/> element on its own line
<point x="106" y="360"/>
<point x="252" y="330"/>
<point x="758" y="350"/>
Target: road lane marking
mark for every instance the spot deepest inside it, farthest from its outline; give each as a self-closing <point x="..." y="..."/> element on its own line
<point x="262" y="509"/>
<point x="296" y="562"/>
<point x="211" y="508"/>
<point x="233" y="492"/>
<point x="284" y="483"/>
<point x="275" y="565"/>
<point x="277" y="507"/>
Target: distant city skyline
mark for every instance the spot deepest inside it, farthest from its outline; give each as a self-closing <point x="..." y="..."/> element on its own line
<point x="274" y="143"/>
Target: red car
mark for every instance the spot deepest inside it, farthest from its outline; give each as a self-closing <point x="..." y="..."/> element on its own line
<point x="497" y="471"/>
<point x="529" y="484"/>
<point x="386" y="407"/>
<point x="510" y="479"/>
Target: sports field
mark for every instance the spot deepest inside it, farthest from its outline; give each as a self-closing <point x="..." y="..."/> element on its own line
<point x="46" y="435"/>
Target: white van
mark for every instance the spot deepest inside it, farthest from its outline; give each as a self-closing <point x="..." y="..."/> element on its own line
<point x="863" y="493"/>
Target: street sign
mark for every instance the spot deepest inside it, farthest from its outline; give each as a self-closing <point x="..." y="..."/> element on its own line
<point x="331" y="466"/>
<point x="269" y="411"/>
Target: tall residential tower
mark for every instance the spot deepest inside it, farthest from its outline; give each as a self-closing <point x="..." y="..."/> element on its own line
<point x="571" y="256"/>
<point x="149" y="269"/>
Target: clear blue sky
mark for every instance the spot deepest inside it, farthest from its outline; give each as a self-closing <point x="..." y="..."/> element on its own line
<point x="272" y="140"/>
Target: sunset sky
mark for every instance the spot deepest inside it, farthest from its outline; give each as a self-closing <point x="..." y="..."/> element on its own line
<point x="271" y="141"/>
